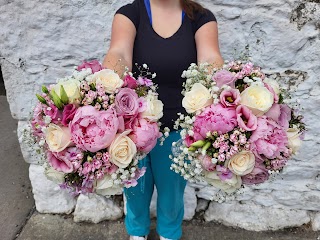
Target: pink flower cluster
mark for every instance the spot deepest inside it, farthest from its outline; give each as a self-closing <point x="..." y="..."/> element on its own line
<point x="93" y="123"/>
<point x="234" y="135"/>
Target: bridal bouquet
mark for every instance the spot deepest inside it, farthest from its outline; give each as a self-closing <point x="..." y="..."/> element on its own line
<point x="94" y="127"/>
<point x="239" y="127"/>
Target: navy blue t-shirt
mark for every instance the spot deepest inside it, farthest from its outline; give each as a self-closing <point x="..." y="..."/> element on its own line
<point x="167" y="57"/>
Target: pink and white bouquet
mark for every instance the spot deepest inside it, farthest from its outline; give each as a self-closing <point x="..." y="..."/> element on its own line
<point x="240" y="126"/>
<point x="94" y="127"/>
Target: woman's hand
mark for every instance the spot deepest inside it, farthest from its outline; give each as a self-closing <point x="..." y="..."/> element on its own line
<point x="121" y="46"/>
<point x="207" y="43"/>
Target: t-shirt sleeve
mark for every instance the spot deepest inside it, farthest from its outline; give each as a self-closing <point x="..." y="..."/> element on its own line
<point x="131" y="11"/>
<point x="202" y="18"/>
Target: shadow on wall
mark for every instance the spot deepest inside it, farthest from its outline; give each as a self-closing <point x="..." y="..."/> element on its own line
<point x="2" y="89"/>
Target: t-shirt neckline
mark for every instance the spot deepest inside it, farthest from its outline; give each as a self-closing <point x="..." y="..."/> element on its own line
<point x="149" y="14"/>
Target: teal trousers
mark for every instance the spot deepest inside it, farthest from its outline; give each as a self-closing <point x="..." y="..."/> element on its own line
<point x="170" y="187"/>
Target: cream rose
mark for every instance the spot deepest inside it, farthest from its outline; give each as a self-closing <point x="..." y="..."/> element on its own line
<point x="294" y="140"/>
<point x="106" y="187"/>
<point x="71" y="87"/>
<point x="228" y="186"/>
<point x="257" y="98"/>
<point x="109" y="79"/>
<point x="154" y="108"/>
<point x="241" y="163"/>
<point x="54" y="175"/>
<point x="274" y="84"/>
<point x="122" y="150"/>
<point x="197" y="98"/>
<point x="58" y="138"/>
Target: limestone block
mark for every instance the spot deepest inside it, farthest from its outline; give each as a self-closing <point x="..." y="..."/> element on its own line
<point x="48" y="196"/>
<point x="255" y="217"/>
<point x="95" y="208"/>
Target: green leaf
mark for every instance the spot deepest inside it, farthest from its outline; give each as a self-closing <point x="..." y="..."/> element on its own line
<point x="56" y="100"/>
<point x="64" y="96"/>
<point x="198" y="144"/>
<point x="44" y="89"/>
<point x="41" y="99"/>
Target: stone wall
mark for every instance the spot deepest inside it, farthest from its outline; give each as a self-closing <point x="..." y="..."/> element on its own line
<point x="41" y="40"/>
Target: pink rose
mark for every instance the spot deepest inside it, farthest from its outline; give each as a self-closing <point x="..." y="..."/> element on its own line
<point x="68" y="113"/>
<point x="53" y="112"/>
<point x="62" y="161"/>
<point x="127" y="102"/>
<point x="94" y="65"/>
<point x="230" y="97"/>
<point x="214" y="118"/>
<point x="269" y="139"/>
<point x="189" y="140"/>
<point x="206" y="163"/>
<point x="275" y="95"/>
<point x="145" y="135"/>
<point x="130" y="82"/>
<point x="93" y="130"/>
<point x="281" y="114"/>
<point x="258" y="175"/>
<point x="246" y="119"/>
<point x="224" y="77"/>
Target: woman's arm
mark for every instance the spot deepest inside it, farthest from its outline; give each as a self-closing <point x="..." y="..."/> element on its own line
<point x="121" y="46"/>
<point x="207" y="42"/>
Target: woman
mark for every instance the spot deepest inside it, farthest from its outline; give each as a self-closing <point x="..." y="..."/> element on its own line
<point x="167" y="35"/>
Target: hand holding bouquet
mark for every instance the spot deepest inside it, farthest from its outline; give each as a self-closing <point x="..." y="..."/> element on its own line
<point x="238" y="129"/>
<point x="95" y="126"/>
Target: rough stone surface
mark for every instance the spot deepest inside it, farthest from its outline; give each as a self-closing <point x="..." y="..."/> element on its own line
<point x="41" y="41"/>
<point x="316" y="222"/>
<point x="95" y="208"/>
<point x="48" y="196"/>
<point x="254" y="217"/>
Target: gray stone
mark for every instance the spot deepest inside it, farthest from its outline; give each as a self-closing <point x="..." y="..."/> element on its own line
<point x="202" y="205"/>
<point x="316" y="222"/>
<point x="95" y="208"/>
<point x="48" y="196"/>
<point x="255" y="217"/>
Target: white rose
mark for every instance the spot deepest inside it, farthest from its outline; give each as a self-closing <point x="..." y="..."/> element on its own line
<point x="241" y="163"/>
<point x="197" y="98"/>
<point x="228" y="186"/>
<point x="109" y="79"/>
<point x="257" y="98"/>
<point x="294" y="141"/>
<point x="54" y="175"/>
<point x="122" y="150"/>
<point x="154" y="110"/>
<point x="71" y="87"/>
<point x="58" y="138"/>
<point x="274" y="84"/>
<point x="106" y="187"/>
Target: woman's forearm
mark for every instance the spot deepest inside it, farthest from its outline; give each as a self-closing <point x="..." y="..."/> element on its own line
<point x="117" y="62"/>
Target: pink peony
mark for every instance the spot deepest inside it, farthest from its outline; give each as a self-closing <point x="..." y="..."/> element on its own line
<point x="214" y="118"/>
<point x="145" y="135"/>
<point x="53" y="112"/>
<point x="224" y="77"/>
<point x="68" y="114"/>
<point x="258" y="175"/>
<point x="130" y="82"/>
<point x="127" y="102"/>
<point x="269" y="139"/>
<point x="62" y="161"/>
<point x="246" y="119"/>
<point x="94" y="65"/>
<point x="230" y="97"/>
<point x="281" y="114"/>
<point x="93" y="130"/>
